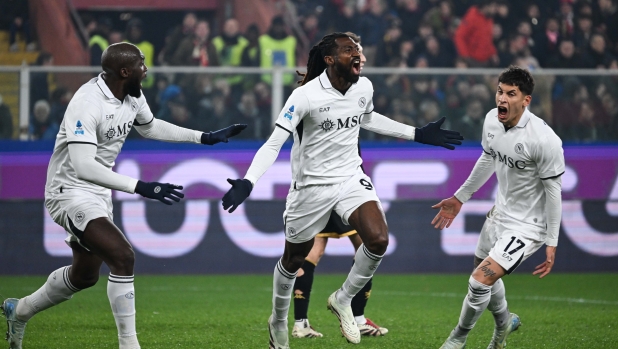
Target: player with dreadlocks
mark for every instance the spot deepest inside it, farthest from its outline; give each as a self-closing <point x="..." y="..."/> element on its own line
<point x="335" y="229"/>
<point x="324" y="116"/>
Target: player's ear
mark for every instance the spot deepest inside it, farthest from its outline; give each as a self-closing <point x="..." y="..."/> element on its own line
<point x="527" y="100"/>
<point x="124" y="72"/>
<point x="329" y="60"/>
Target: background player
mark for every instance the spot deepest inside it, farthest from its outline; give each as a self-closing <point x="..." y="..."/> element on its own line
<point x="78" y="195"/>
<point x="304" y="279"/>
<point x="528" y="160"/>
<point x="324" y="116"/>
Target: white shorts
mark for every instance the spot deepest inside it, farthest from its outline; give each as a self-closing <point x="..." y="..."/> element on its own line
<point x="73" y="209"/>
<point x="507" y="247"/>
<point x="308" y="209"/>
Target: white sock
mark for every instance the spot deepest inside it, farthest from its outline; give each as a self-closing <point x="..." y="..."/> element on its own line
<point x="365" y="264"/>
<point x="473" y="306"/>
<point x="283" y="286"/>
<point x="56" y="290"/>
<point x="360" y="320"/>
<point x="121" y="294"/>
<point x="498" y="305"/>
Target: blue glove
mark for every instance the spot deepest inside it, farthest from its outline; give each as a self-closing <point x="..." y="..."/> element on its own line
<point x="241" y="188"/>
<point x="432" y="134"/>
<point x="159" y="191"/>
<point x="222" y="135"/>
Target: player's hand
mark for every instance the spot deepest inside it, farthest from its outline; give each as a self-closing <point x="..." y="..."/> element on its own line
<point x="159" y="191"/>
<point x="241" y="188"/>
<point x="432" y="134"/>
<point x="449" y="208"/>
<point x="545" y="267"/>
<point x="222" y="135"/>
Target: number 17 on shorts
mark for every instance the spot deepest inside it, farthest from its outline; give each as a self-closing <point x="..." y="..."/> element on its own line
<point x="511" y="249"/>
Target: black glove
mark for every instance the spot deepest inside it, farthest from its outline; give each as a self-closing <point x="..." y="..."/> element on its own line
<point x="432" y="134"/>
<point x="159" y="191"/>
<point x="241" y="188"/>
<point x="222" y="135"/>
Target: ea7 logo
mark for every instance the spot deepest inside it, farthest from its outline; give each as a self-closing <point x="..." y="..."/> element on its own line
<point x="489" y="135"/>
<point x="507" y="256"/>
<point x="324" y="109"/>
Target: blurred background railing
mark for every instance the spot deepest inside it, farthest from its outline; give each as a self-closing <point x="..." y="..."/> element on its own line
<point x="580" y="104"/>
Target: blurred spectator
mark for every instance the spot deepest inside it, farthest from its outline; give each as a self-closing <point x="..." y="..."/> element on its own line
<point x="216" y="116"/>
<point x="277" y="48"/>
<point x="589" y="125"/>
<point x="402" y="113"/>
<point x="251" y="53"/>
<point x="566" y="17"/>
<point x="178" y="114"/>
<point x="14" y="16"/>
<point x="442" y="20"/>
<point x="546" y="43"/>
<point x="311" y="28"/>
<point x="41" y="125"/>
<point x="115" y="37"/>
<point x="436" y="56"/>
<point x="517" y="45"/>
<point x="134" y="34"/>
<point x="411" y="15"/>
<point x="389" y="47"/>
<point x="597" y="55"/>
<point x="347" y="20"/>
<point x="500" y="42"/>
<point x="504" y="17"/>
<point x="610" y="107"/>
<point x="429" y="112"/>
<point x="197" y="49"/>
<point x="473" y="37"/>
<point x="583" y="32"/>
<point x="176" y="36"/>
<point x="567" y="57"/>
<point x="534" y="17"/>
<point x="6" y="121"/>
<point x="59" y="101"/>
<point x="264" y="98"/>
<point x="372" y="26"/>
<point x="609" y="19"/>
<point x="99" y="40"/>
<point x="471" y="123"/>
<point x="39" y="85"/>
<point x="247" y="112"/>
<point x="230" y="46"/>
<point x="165" y="92"/>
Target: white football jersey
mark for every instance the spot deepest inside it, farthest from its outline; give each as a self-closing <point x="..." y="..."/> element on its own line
<point x="523" y="156"/>
<point x="325" y="125"/>
<point x="94" y="116"/>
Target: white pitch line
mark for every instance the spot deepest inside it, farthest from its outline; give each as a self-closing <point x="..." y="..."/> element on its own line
<point x="527" y="298"/>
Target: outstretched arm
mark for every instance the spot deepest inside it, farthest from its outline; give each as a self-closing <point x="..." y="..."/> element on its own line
<point x="553" y="210"/>
<point x="164" y="131"/>
<point x="87" y="168"/>
<point x="263" y="159"/>
<point x="449" y="208"/>
<point x="429" y="134"/>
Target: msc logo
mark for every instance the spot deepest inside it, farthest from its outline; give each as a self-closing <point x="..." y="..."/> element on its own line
<point x="348" y="122"/>
<point x="288" y="114"/>
<point x="324" y="109"/>
<point x="119" y="130"/>
<point x="327" y="125"/>
<point x="507" y="160"/>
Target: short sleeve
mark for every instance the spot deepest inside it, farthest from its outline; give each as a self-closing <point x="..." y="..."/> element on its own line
<point x="550" y="158"/>
<point x="295" y="109"/>
<point x="144" y="115"/>
<point x="81" y="121"/>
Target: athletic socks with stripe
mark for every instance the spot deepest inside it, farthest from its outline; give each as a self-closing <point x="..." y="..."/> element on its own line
<point x="365" y="265"/>
<point x="57" y="289"/>
<point x="121" y="294"/>
<point x="283" y="286"/>
<point x="473" y="306"/>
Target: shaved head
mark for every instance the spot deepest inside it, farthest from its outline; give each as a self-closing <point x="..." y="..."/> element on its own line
<point x="118" y="56"/>
<point x="123" y="63"/>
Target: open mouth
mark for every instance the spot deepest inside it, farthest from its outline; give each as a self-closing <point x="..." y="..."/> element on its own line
<point x="502" y="112"/>
<point x="356" y="66"/>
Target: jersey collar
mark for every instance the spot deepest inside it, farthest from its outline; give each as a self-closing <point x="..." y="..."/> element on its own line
<point x="103" y="86"/>
<point x="325" y="82"/>
<point x="525" y="117"/>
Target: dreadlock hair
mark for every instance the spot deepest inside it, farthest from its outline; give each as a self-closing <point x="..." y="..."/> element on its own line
<point x="316" y="64"/>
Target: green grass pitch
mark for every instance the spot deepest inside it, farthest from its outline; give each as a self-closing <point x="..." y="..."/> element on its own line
<point x="565" y="311"/>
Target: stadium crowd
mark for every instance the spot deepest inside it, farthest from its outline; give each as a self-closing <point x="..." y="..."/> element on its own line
<point x="395" y="33"/>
